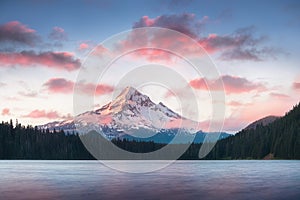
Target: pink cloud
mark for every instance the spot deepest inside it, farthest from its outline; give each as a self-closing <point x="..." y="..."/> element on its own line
<point x="16" y="32"/>
<point x="186" y="23"/>
<point x="232" y="84"/>
<point x="234" y="104"/>
<point x="61" y="85"/>
<point x="58" y="60"/>
<point x="200" y="84"/>
<point x="91" y="89"/>
<point x="58" y="33"/>
<point x="296" y="85"/>
<point x="242" y="44"/>
<point x="83" y="46"/>
<point x="278" y="95"/>
<point x="5" y="111"/>
<point x="42" y="114"/>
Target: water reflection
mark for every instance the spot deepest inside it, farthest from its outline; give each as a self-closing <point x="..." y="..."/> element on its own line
<point x="181" y="180"/>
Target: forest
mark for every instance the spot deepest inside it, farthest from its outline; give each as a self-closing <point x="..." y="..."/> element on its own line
<point x="278" y="140"/>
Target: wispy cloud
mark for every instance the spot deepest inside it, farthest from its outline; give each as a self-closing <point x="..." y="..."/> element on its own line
<point x="2" y="84"/>
<point x="186" y="23"/>
<point x="43" y="114"/>
<point x="296" y="85"/>
<point x="28" y="94"/>
<point x="61" y="85"/>
<point x="83" y="46"/>
<point x="57" y="60"/>
<point x="232" y="84"/>
<point x="5" y="111"/>
<point x="242" y="44"/>
<point x="278" y="95"/>
<point x="58" y="33"/>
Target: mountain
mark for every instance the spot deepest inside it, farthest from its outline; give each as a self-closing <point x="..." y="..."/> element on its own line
<point x="132" y="115"/>
<point x="263" y="121"/>
<point x="278" y="139"/>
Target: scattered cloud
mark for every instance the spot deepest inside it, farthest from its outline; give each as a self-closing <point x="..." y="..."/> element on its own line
<point x="232" y="84"/>
<point x="42" y="114"/>
<point x="186" y="23"/>
<point x="58" y="60"/>
<point x="278" y="95"/>
<point x="234" y="104"/>
<point x="17" y="32"/>
<point x="28" y="94"/>
<point x="242" y="44"/>
<point x="2" y="84"/>
<point x="92" y="89"/>
<point x="5" y="111"/>
<point x="58" y="33"/>
<point x="61" y="85"/>
<point x="296" y="85"/>
<point x="83" y="46"/>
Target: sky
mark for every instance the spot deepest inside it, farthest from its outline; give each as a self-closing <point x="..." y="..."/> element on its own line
<point x="44" y="44"/>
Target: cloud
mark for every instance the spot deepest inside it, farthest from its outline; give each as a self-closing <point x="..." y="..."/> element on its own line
<point x="242" y="44"/>
<point x="278" y="95"/>
<point x="61" y="85"/>
<point x="2" y="84"/>
<point x="296" y="85"/>
<point x="5" y="111"/>
<point x="58" y="60"/>
<point x="234" y="104"/>
<point x="58" y="33"/>
<point x="83" y="46"/>
<point x="42" y="114"/>
<point x="101" y="89"/>
<point x="239" y="45"/>
<point x="185" y="23"/>
<point x="28" y="94"/>
<point x="232" y="84"/>
<point x="17" y="32"/>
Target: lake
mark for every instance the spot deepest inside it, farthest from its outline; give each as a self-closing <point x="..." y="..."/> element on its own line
<point x="245" y="179"/>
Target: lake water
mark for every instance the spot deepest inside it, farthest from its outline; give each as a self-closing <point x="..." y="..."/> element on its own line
<point x="181" y="180"/>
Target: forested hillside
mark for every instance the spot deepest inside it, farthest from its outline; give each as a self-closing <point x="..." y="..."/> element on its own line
<point x="280" y="139"/>
<point x="19" y="142"/>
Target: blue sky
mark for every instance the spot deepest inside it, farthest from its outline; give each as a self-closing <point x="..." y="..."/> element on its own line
<point x="268" y="58"/>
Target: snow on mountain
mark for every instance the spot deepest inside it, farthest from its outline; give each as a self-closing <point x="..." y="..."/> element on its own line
<point x="131" y="113"/>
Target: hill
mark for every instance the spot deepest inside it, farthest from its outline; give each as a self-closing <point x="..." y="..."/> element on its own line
<point x="264" y="121"/>
<point x="279" y="139"/>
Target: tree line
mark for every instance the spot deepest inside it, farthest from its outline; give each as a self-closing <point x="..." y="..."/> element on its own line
<point x="281" y="139"/>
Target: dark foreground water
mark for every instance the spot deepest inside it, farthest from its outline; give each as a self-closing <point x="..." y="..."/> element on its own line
<point x="181" y="180"/>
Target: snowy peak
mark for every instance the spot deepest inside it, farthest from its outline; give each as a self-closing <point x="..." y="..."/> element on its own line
<point x="132" y="110"/>
<point x="129" y="99"/>
<point x="129" y="111"/>
<point x="129" y="93"/>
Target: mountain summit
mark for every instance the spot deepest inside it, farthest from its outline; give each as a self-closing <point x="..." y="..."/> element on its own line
<point x="129" y="110"/>
<point x="131" y="113"/>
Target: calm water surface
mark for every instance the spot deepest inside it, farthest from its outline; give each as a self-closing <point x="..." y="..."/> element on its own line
<point x="181" y="180"/>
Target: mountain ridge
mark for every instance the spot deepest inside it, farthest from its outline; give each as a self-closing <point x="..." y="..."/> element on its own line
<point x="262" y="121"/>
<point x="279" y="139"/>
<point x="131" y="115"/>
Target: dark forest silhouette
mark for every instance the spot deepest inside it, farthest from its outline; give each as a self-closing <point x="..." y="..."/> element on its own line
<point x="280" y="139"/>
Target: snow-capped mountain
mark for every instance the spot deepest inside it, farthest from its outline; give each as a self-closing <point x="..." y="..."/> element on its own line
<point x="131" y="114"/>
